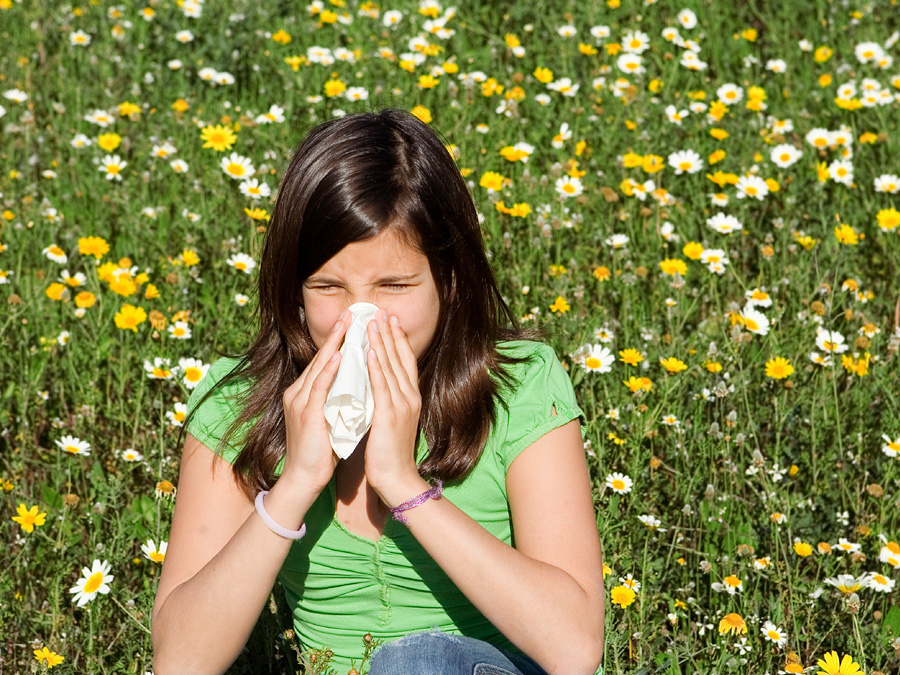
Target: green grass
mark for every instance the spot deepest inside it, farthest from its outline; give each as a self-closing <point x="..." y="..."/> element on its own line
<point x="716" y="516"/>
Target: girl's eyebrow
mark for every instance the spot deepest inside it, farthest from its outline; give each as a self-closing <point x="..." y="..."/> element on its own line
<point x="328" y="281"/>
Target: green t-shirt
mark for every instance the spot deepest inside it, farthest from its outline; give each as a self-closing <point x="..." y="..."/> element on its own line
<point x="341" y="585"/>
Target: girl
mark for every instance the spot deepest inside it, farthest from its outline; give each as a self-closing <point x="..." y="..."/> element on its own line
<point x="461" y="530"/>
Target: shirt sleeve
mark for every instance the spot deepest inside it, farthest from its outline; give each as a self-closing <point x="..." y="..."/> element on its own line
<point x="211" y="419"/>
<point x="540" y="400"/>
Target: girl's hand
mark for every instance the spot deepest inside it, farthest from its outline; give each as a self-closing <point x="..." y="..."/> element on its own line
<point x="390" y="450"/>
<point x="309" y="459"/>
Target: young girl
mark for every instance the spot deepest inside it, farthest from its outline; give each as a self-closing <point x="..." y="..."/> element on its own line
<point x="461" y="530"/>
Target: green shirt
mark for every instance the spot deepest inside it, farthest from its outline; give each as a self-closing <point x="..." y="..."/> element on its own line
<point x="341" y="585"/>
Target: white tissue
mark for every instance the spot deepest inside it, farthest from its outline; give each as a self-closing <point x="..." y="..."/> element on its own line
<point x="349" y="406"/>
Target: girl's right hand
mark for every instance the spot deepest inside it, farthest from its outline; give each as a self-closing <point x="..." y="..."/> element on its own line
<point x="309" y="459"/>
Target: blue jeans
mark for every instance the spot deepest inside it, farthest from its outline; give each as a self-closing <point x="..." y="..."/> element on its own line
<point x="438" y="653"/>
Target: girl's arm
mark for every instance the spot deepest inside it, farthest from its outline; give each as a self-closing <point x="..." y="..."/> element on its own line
<point x="220" y="565"/>
<point x="545" y="595"/>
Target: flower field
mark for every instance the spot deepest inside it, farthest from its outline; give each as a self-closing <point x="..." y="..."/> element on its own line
<point x="699" y="204"/>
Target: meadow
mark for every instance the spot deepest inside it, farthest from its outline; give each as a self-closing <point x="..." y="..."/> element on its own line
<point x="696" y="201"/>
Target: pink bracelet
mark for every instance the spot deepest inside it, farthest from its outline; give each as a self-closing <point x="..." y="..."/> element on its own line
<point x="433" y="493"/>
<point x="272" y="525"/>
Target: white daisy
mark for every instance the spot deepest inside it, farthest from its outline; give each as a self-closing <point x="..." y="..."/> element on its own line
<point x="180" y="330"/>
<point x="242" y="262"/>
<point x="784" y="155"/>
<point x="237" y="166"/>
<point x="153" y="552"/>
<point x="93" y="581"/>
<point x="130" y="455"/>
<point x="772" y="632"/>
<point x="724" y="224"/>
<point x="112" y="165"/>
<point x="830" y="341"/>
<point x="74" y="446"/>
<point x="685" y="161"/>
<point x="176" y="417"/>
<point x="619" y="483"/>
<point x="193" y="370"/>
<point x="159" y="369"/>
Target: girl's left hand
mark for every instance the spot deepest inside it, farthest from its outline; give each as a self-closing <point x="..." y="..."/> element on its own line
<point x="391" y="447"/>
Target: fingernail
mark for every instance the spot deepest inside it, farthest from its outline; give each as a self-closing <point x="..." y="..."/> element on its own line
<point x="384" y="315"/>
<point x="335" y="357"/>
<point x="375" y="327"/>
<point x="336" y="326"/>
<point x="395" y="321"/>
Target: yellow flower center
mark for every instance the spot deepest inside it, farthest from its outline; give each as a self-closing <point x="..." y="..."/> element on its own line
<point x="193" y="374"/>
<point x="240" y="266"/>
<point x="156" y="556"/>
<point x="161" y="373"/>
<point x="94" y="582"/>
<point x="592" y="362"/>
<point x="179" y="416"/>
<point x="618" y="484"/>
<point x="773" y="635"/>
<point x="72" y="448"/>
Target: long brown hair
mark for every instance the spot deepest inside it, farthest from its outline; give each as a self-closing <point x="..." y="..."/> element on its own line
<point x="349" y="180"/>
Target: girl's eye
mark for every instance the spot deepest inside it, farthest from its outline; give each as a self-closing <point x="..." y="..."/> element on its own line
<point x="396" y="287"/>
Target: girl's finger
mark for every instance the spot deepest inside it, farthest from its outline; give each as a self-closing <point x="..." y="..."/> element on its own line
<point x="318" y="362"/>
<point x="405" y="353"/>
<point x="318" y="391"/>
<point x="387" y="335"/>
<point x="381" y="391"/>
<point x="383" y="361"/>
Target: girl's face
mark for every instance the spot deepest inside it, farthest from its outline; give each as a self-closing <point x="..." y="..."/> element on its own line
<point x="384" y="271"/>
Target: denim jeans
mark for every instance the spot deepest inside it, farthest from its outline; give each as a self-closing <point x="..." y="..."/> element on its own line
<point x="438" y="653"/>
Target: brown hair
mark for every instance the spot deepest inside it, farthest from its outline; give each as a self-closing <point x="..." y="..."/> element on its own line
<point x="349" y="180"/>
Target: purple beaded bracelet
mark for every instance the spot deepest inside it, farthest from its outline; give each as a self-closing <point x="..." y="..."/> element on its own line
<point x="433" y="493"/>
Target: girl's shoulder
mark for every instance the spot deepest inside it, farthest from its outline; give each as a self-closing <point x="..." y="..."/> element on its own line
<point x="535" y="371"/>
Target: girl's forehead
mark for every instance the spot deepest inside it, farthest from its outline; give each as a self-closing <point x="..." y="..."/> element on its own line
<point x="386" y="253"/>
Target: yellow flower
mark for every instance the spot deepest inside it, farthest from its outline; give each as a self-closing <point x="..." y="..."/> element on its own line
<point x="846" y="235"/>
<point x="334" y="88"/>
<point x="127" y="109"/>
<point x="622" y="596"/>
<point x="888" y="219"/>
<point x="749" y="34"/>
<point x="189" y="257"/>
<point x="543" y="75"/>
<point x="693" y="250"/>
<point x="822" y="54"/>
<point x="130" y="317"/>
<point x="825" y="80"/>
<point x="831" y="665"/>
<point x="630" y="356"/>
<point x="636" y="384"/>
<point x="779" y="368"/>
<point x="802" y="549"/>
<point x="109" y="142"/>
<point x="85" y="299"/>
<point x="29" y="518"/>
<point x="180" y="105"/>
<point x="95" y="246"/>
<point x="423" y="113"/>
<point x="718" y="134"/>
<point x="257" y="214"/>
<point x="57" y="292"/>
<point x="491" y="180"/>
<point x="732" y="623"/>
<point x="673" y="365"/>
<point x="151" y="292"/>
<point x="219" y="137"/>
<point x="713" y="366"/>
<point x="671" y="266"/>
<point x="48" y="657"/>
<point x="560" y="305"/>
<point x="428" y="81"/>
<point x="601" y="273"/>
<point x="717" y="156"/>
<point x="282" y="36"/>
<point x="295" y="62"/>
<point x="652" y="164"/>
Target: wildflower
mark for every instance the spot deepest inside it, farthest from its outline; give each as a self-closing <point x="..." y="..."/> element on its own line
<point x="847" y="583"/>
<point x="237" y="167"/>
<point x="242" y="262"/>
<point x="241" y="299"/>
<point x="779" y="368"/>
<point x="567" y="186"/>
<point x="517" y="153"/>
<point x="29" y="518"/>
<point x="732" y="623"/>
<point x="890" y="552"/>
<point x="130" y="455"/>
<point x="754" y="320"/>
<point x="635" y="42"/>
<point x="673" y="266"/>
<point x="595" y="358"/>
<point x="762" y="563"/>
<point x="180" y="330"/>
<point x="622" y="596"/>
<point x="831" y="665"/>
<point x="130" y="317"/>
<point x="630" y="356"/>
<point x="423" y="113"/>
<point x="845" y="545"/>
<point x="729" y="94"/>
<point x="785" y="155"/>
<point x="44" y="655"/>
<point x="177" y="416"/>
<point x="673" y="365"/>
<point x="888" y="219"/>
<point x="619" y="483"/>
<point x="887" y="183"/>
<point x="685" y="161"/>
<point x="219" y="137"/>
<point x="74" y="446"/>
<point x="846" y="235"/>
<point x="687" y="18"/>
<point x="112" y="165"/>
<point x="652" y="522"/>
<point x="165" y="490"/>
<point x="758" y="298"/>
<point x="724" y="224"/>
<point x="93" y="581"/>
<point x="153" y="552"/>
<point x="802" y="549"/>
<point x="879" y="582"/>
<point x="636" y="384"/>
<point x="109" y="142"/>
<point x="891" y="448"/>
<point x="772" y="632"/>
<point x="831" y="341"/>
<point x="731" y="585"/>
<point x="559" y="305"/>
<point x="751" y="186"/>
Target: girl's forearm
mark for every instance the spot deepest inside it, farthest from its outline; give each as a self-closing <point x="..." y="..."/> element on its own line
<point x="537" y="606"/>
<point x="206" y="621"/>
